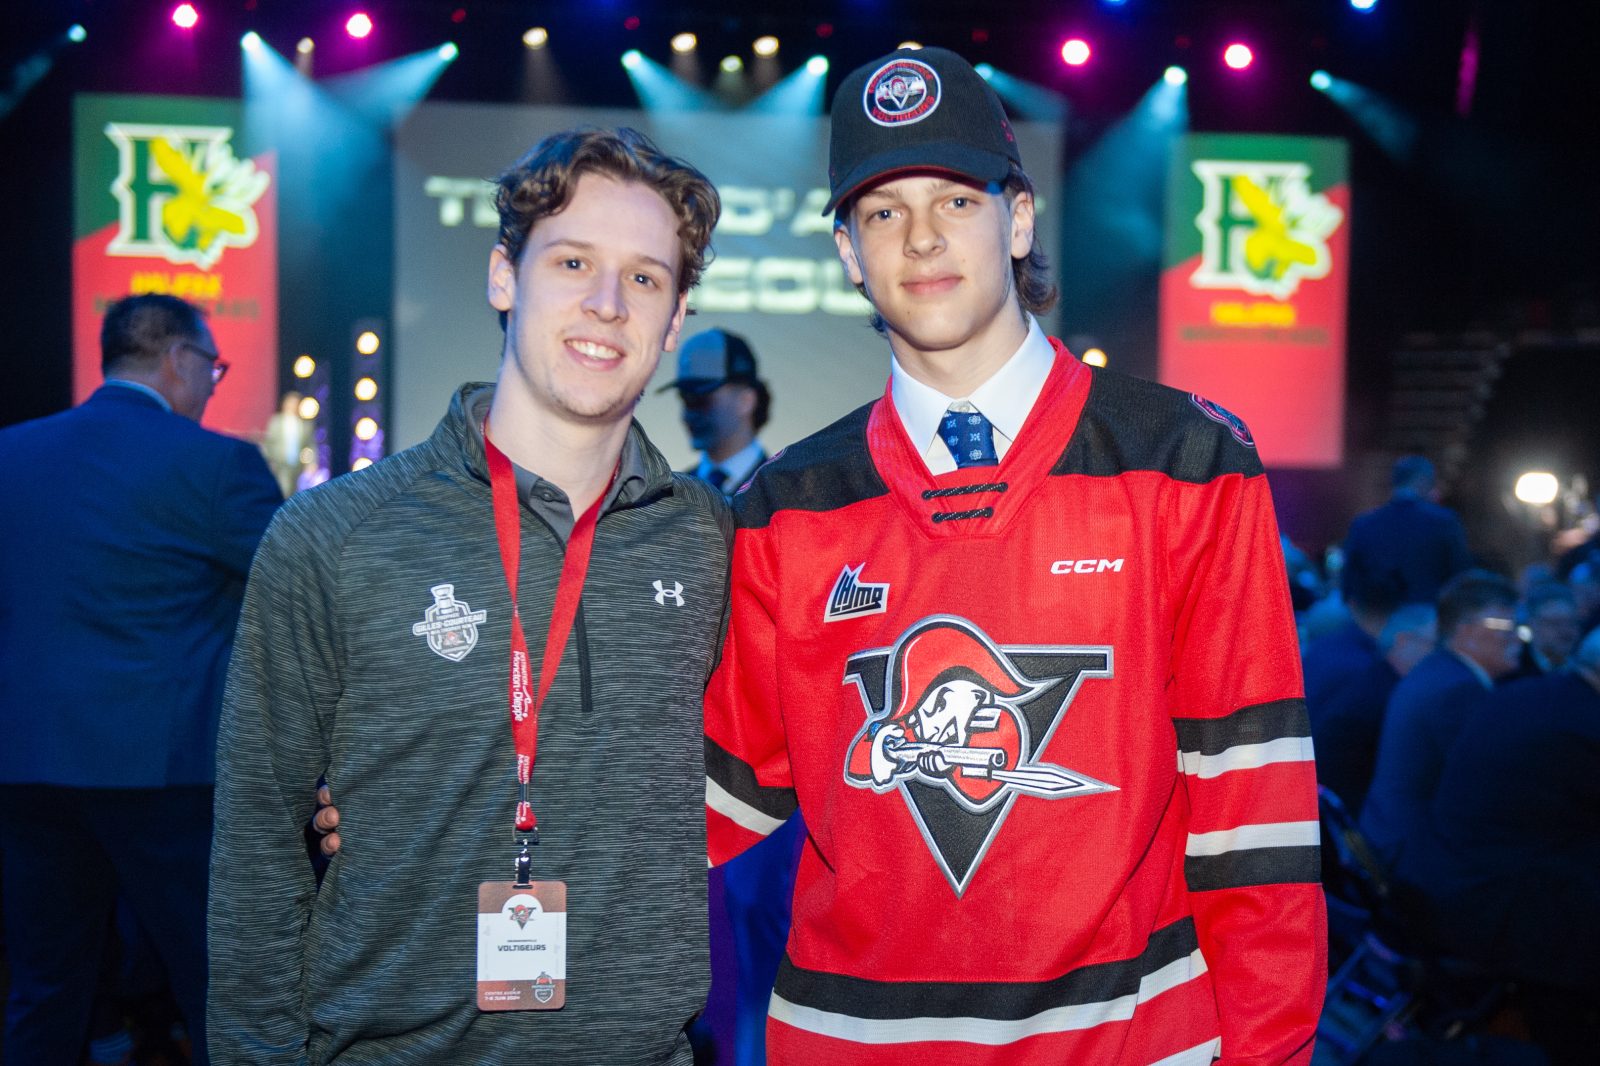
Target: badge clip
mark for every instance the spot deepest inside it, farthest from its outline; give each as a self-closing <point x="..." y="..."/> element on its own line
<point x="525" y="864"/>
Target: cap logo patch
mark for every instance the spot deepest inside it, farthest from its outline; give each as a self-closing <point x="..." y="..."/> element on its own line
<point x="901" y="91"/>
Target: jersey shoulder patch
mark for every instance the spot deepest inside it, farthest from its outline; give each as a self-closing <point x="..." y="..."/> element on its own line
<point x="1130" y="424"/>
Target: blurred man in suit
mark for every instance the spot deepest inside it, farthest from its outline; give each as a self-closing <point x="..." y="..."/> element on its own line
<point x="125" y="540"/>
<point x="1347" y="711"/>
<point x="1478" y="645"/>
<point x="724" y="406"/>
<point x="1511" y="858"/>
<point x="1408" y="548"/>
<point x="1554" y="626"/>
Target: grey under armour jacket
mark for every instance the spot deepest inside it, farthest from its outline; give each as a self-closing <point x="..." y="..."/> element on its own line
<point x="334" y="673"/>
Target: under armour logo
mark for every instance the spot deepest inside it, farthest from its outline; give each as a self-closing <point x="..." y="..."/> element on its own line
<point x="674" y="595"/>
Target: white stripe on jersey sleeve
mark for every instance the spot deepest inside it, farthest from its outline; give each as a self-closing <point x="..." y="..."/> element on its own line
<point x="1245" y="757"/>
<point x="731" y="807"/>
<point x="1245" y="837"/>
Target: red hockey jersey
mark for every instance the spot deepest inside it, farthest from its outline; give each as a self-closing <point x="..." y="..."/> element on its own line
<point x="1044" y="722"/>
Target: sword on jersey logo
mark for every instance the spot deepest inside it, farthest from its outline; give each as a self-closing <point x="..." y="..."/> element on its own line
<point x="950" y="722"/>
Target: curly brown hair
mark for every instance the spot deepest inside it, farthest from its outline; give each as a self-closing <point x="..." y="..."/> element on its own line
<point x="541" y="183"/>
<point x="1030" y="274"/>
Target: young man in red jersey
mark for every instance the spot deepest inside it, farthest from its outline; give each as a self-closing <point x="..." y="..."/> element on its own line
<point x="1016" y="640"/>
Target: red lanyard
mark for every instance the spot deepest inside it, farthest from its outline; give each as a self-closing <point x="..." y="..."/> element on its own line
<point x="524" y="702"/>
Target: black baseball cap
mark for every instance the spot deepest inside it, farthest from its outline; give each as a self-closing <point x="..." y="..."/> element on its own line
<point x="709" y="360"/>
<point x="923" y="108"/>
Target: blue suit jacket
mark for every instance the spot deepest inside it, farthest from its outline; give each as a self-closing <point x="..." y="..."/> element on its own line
<point x="126" y="533"/>
<point x="1422" y="720"/>
<point x="1407" y="549"/>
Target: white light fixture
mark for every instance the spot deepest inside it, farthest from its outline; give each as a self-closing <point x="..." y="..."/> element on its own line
<point x="1538" y="487"/>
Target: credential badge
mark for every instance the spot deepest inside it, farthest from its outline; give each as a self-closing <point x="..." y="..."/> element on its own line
<point x="451" y="625"/>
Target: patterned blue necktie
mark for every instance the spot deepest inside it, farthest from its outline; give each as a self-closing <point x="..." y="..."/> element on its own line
<point x="970" y="438"/>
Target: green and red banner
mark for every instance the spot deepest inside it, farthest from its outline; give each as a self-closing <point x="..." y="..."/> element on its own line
<point x="1253" y="287"/>
<point x="170" y="198"/>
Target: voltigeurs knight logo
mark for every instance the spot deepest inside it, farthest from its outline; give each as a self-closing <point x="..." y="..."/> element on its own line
<point x="451" y="625"/>
<point x="955" y="723"/>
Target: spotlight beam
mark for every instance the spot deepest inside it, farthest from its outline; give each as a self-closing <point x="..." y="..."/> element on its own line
<point x="1029" y="100"/>
<point x="659" y="89"/>
<point x="799" y="93"/>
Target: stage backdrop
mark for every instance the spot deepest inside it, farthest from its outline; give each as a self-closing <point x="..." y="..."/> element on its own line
<point x="776" y="278"/>
<point x="1253" y="287"/>
<point x="171" y="198"/>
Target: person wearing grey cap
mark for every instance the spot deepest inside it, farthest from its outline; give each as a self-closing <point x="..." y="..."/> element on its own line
<point x="1017" y="642"/>
<point x="725" y="404"/>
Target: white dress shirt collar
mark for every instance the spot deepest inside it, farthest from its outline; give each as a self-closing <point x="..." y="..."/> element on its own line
<point x="739" y="466"/>
<point x="139" y="386"/>
<point x="1005" y="399"/>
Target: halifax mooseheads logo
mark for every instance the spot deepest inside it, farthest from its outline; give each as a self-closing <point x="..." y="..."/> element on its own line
<point x="955" y="724"/>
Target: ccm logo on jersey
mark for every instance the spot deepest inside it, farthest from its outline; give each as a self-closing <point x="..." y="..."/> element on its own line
<point x="1086" y="566"/>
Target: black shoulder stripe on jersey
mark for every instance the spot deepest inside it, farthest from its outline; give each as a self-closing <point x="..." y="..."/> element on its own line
<point x="857" y="997"/>
<point x="1295" y="865"/>
<point x="1131" y="424"/>
<point x="1256" y="724"/>
<point x="738" y="779"/>
<point x="828" y="470"/>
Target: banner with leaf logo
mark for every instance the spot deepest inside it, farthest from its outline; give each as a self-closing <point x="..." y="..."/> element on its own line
<point x="1253" y="287"/>
<point x="170" y="197"/>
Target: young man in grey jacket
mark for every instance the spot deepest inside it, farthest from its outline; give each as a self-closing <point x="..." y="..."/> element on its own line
<point x="525" y="830"/>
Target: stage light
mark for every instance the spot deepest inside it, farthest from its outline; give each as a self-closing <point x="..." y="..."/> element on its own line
<point x="1175" y="76"/>
<point x="1538" y="487"/>
<point x="1075" y="52"/>
<point x="909" y="46"/>
<point x="684" y="42"/>
<point x="1320" y="80"/>
<point x="765" y="46"/>
<point x="76" y="33"/>
<point x="448" y="51"/>
<point x="985" y="71"/>
<point x="184" y="16"/>
<point x="305" y="366"/>
<point x="366" y="389"/>
<point x="361" y="463"/>
<point x="367" y="342"/>
<point x="366" y="428"/>
<point x="632" y="59"/>
<point x="731" y="64"/>
<point x="1094" y="357"/>
<point x="1238" y="56"/>
<point x="250" y="41"/>
<point x="358" y="25"/>
<point x="537" y="37"/>
<point x="1363" y="5"/>
<point x="305" y="46"/>
<point x="817" y="66"/>
<point x="1028" y="100"/>
<point x="309" y="408"/>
